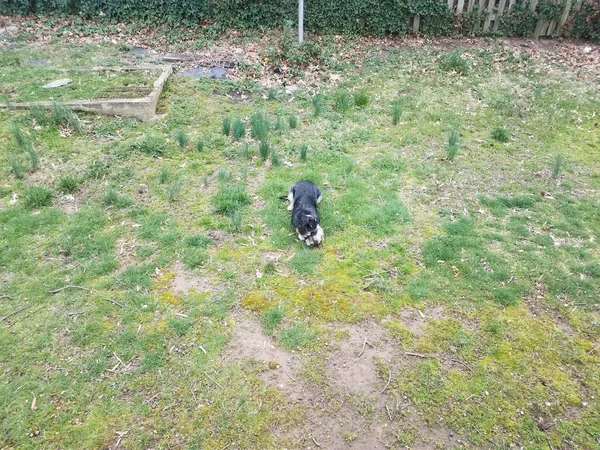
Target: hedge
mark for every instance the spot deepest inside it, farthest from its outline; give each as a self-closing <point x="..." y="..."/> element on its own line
<point x="332" y="16"/>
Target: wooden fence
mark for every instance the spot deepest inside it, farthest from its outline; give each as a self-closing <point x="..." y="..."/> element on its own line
<point x="490" y="12"/>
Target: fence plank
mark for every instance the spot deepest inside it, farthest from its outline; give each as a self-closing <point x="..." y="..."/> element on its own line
<point x="490" y="14"/>
<point x="545" y="28"/>
<point x="533" y="4"/>
<point x="564" y="17"/>
<point x="501" y="7"/>
<point x="470" y="5"/>
<point x="460" y="6"/>
<point x="551" y="28"/>
<point x="538" y="28"/>
<point x="451" y="5"/>
<point x="416" y="23"/>
<point x="511" y="5"/>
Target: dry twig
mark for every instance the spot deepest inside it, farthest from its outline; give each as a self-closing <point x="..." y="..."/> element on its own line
<point x="68" y="286"/>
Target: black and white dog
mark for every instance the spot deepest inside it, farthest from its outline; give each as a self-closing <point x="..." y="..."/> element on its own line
<point x="304" y="197"/>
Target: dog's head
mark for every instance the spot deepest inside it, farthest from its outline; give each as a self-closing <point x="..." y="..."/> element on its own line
<point x="308" y="225"/>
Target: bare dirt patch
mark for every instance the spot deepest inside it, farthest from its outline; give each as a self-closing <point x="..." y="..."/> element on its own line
<point x="185" y="282"/>
<point x="416" y="319"/>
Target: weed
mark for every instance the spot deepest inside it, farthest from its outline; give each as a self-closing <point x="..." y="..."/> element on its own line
<point x="163" y="175"/>
<point x="275" y="161"/>
<point x="230" y="198"/>
<point x="236" y="221"/>
<point x="557" y="165"/>
<point x="245" y="151"/>
<point x="454" y="62"/>
<point x="32" y="157"/>
<point x="396" y="112"/>
<point x="260" y="126"/>
<point x="270" y="319"/>
<point x="293" y="122"/>
<point x="500" y="134"/>
<point x="182" y="139"/>
<point x="36" y="197"/>
<point x="239" y="129"/>
<point x="264" y="148"/>
<point x="198" y="240"/>
<point x="113" y="198"/>
<point x="226" y="126"/>
<point x="16" y="168"/>
<point x="303" y="152"/>
<point x="317" y="102"/>
<point x="223" y="175"/>
<point x="38" y="115"/>
<point x="199" y="145"/>
<point x="295" y="336"/>
<point x="68" y="184"/>
<point x="272" y="95"/>
<point x="194" y="257"/>
<point x="205" y="180"/>
<point x="99" y="168"/>
<point x="174" y="189"/>
<point x="20" y="139"/>
<point x="361" y="99"/>
<point x="452" y="147"/>
<point x="342" y="101"/>
<point x="269" y="268"/>
<point x="61" y="116"/>
<point x="279" y="124"/>
<point x="150" y="145"/>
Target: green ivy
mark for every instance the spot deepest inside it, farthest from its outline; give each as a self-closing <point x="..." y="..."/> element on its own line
<point x="550" y="10"/>
<point x="520" y="21"/>
<point x="586" y="23"/>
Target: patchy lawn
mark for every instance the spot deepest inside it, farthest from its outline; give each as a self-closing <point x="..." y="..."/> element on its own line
<point x="154" y="295"/>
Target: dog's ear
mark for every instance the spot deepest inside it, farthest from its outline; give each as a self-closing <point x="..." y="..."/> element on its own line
<point x="312" y="223"/>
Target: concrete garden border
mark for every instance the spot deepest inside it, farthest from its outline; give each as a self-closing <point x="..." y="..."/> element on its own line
<point x="143" y="107"/>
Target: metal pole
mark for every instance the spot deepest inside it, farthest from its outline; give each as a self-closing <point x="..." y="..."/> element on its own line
<point x="300" y="21"/>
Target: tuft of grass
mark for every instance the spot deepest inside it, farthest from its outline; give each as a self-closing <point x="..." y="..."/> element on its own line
<point x="342" y="101"/>
<point x="500" y="134"/>
<point x="454" y="62"/>
<point x="226" y="127"/>
<point x="198" y="240"/>
<point x="361" y="99"/>
<point x="182" y="139"/>
<point x="236" y="221"/>
<point x="245" y="151"/>
<point x="174" y="189"/>
<point x="295" y="336"/>
<point x="270" y="319"/>
<point x="163" y="175"/>
<point x="303" y="152"/>
<point x="264" y="148"/>
<point x="61" y="116"/>
<point x="205" y="180"/>
<point x="32" y="157"/>
<point x="260" y="126"/>
<point x="38" y="115"/>
<point x="239" y="129"/>
<point x="223" y="175"/>
<point x="275" y="161"/>
<point x="21" y="140"/>
<point x="272" y="94"/>
<point x="16" y="168"/>
<point x="452" y="147"/>
<point x="68" y="184"/>
<point x="36" y="197"/>
<point x="150" y="145"/>
<point x="200" y="145"/>
<point x="396" y="112"/>
<point x="293" y="122"/>
<point x="113" y="198"/>
<point x="305" y="261"/>
<point x="558" y="164"/>
<point x="230" y="198"/>
<point x="279" y="124"/>
<point x="194" y="257"/>
<point x="317" y="102"/>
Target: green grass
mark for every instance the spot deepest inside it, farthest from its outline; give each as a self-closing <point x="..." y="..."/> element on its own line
<point x="343" y="101"/>
<point x="36" y="197"/>
<point x="226" y="126"/>
<point x="271" y="318"/>
<point x="361" y="99"/>
<point x="292" y="122"/>
<point x="182" y="138"/>
<point x="454" y="62"/>
<point x="193" y="305"/>
<point x="500" y="134"/>
<point x="453" y="146"/>
<point x="68" y="184"/>
<point x="230" y="198"/>
<point x="239" y="129"/>
<point x="264" y="149"/>
<point x="295" y="336"/>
